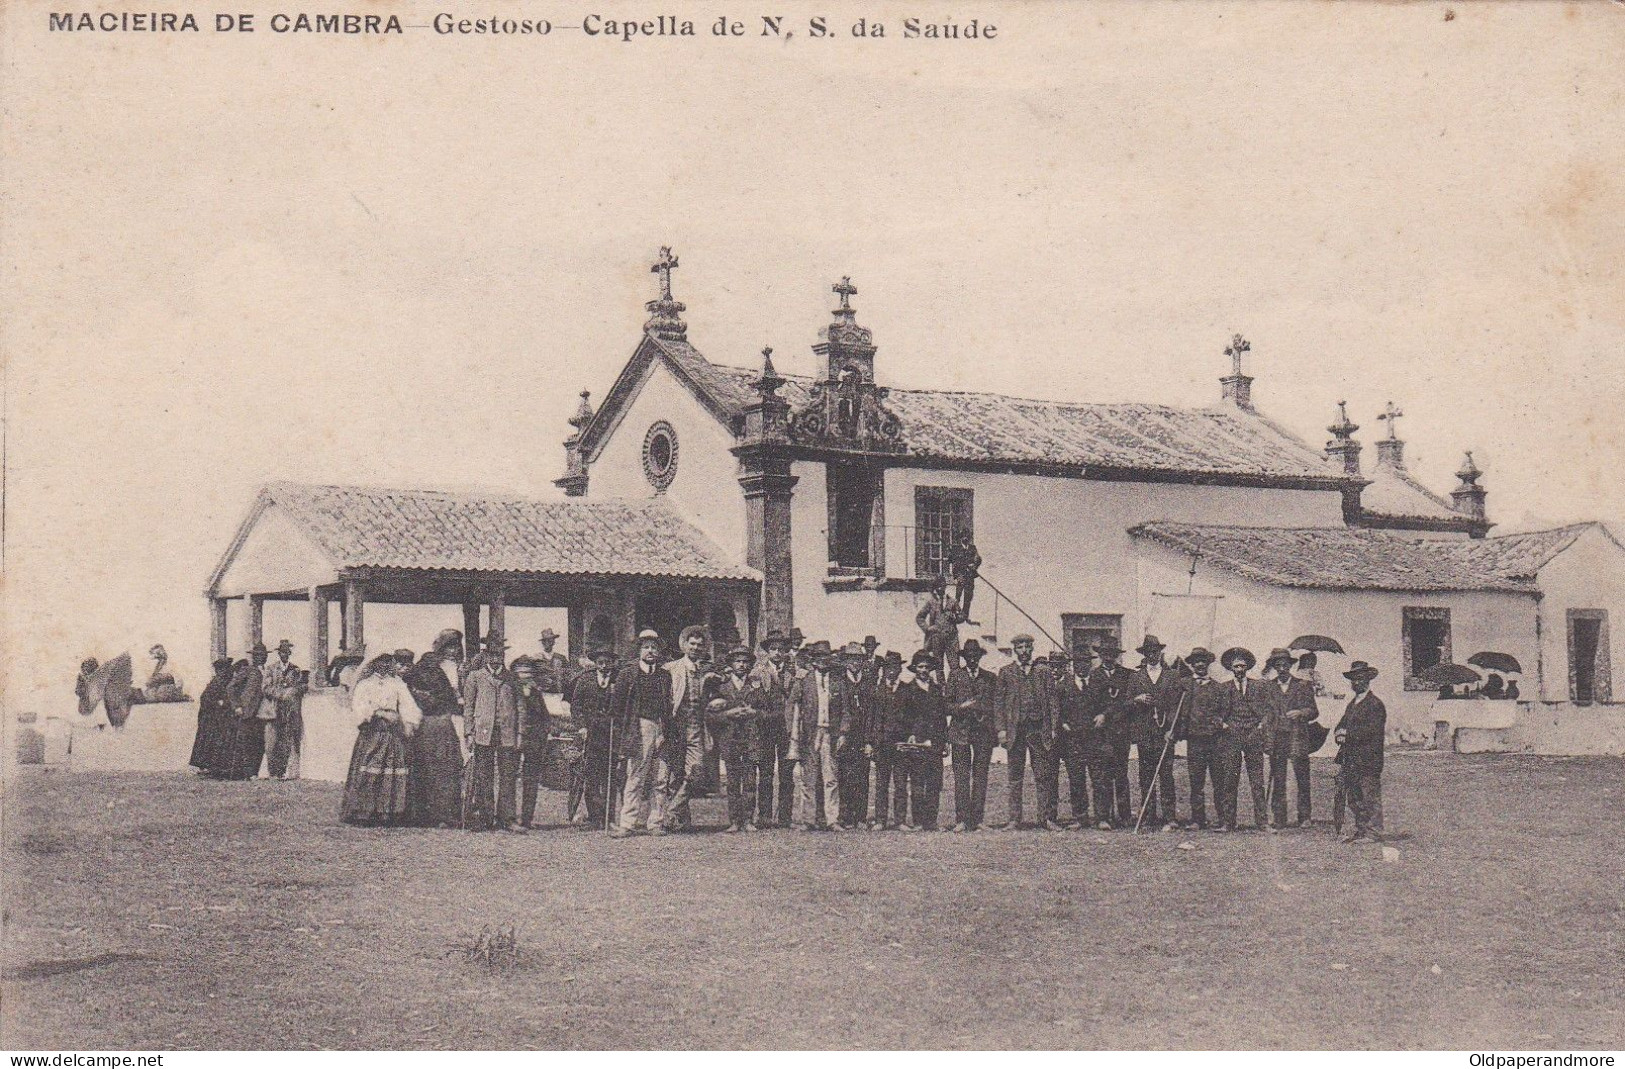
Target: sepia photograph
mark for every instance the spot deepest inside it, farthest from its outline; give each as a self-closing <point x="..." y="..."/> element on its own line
<point x="880" y="527"/>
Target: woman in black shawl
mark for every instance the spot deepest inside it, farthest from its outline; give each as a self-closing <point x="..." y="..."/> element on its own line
<point x="216" y="728"/>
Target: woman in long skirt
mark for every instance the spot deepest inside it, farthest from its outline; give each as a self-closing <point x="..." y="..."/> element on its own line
<point x="212" y="747"/>
<point x="435" y="754"/>
<point x="375" y="790"/>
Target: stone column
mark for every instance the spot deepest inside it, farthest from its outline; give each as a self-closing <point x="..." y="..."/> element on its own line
<point x="217" y="630"/>
<point x="317" y="651"/>
<point x="768" y="494"/>
<point x="496" y="613"/>
<point x="355" y="602"/>
<point x="256" y="619"/>
<point x="471" y="627"/>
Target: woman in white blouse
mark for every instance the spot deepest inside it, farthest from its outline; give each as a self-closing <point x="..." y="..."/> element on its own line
<point x="375" y="791"/>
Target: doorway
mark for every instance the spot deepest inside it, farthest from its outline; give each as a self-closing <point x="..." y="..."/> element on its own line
<point x="1588" y="656"/>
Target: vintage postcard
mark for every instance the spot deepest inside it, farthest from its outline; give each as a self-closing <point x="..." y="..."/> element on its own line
<point x="674" y="525"/>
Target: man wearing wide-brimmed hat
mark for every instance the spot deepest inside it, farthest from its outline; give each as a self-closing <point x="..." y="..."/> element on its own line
<point x="824" y="712"/>
<point x="1288" y="738"/>
<point x="494" y="727"/>
<point x="284" y="701"/>
<point x="1081" y="747"/>
<point x="1159" y="690"/>
<point x="735" y="710"/>
<point x="775" y="676"/>
<point x="1248" y="712"/>
<point x="853" y="760"/>
<point x="1205" y="709"/>
<point x="1111" y="693"/>
<point x="1027" y="716"/>
<point x="927" y="725"/>
<point x="640" y="706"/>
<point x="887" y="727"/>
<point x="972" y="734"/>
<point x="552" y="668"/>
<point x="1360" y="735"/>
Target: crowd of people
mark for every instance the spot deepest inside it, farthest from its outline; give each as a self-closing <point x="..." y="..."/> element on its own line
<point x="799" y="734"/>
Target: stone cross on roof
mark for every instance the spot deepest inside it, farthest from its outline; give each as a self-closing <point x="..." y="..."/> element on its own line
<point x="1238" y="346"/>
<point x="664" y="267"/>
<point x="846" y="291"/>
<point x="1391" y="415"/>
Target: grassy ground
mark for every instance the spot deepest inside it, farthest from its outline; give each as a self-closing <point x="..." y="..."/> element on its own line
<point x="160" y="912"/>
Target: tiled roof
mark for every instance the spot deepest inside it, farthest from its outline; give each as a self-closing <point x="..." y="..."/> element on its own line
<point x="1398" y="495"/>
<point x="1522" y="556"/>
<point x="993" y="428"/>
<point x="1332" y="558"/>
<point x="381" y="528"/>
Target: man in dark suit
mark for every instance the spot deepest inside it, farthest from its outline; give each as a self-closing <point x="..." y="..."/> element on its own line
<point x="887" y="727"/>
<point x="775" y="678"/>
<point x="1295" y="709"/>
<point x="1249" y="713"/>
<point x="246" y="692"/>
<point x="853" y="760"/>
<point x="1360" y="735"/>
<point x="590" y="706"/>
<point x="1111" y="693"/>
<point x="824" y="717"/>
<point x="1205" y="709"/>
<point x="972" y="734"/>
<point x="1080" y="746"/>
<point x="1159" y="691"/>
<point x="1027" y="716"/>
<point x="641" y="706"/>
<point x="925" y="713"/>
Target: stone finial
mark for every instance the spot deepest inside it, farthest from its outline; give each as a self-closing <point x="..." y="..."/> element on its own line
<point x="1238" y="386"/>
<point x="768" y="382"/>
<point x="583" y="415"/>
<point x="1343" y="448"/>
<point x="665" y="312"/>
<point x="1468" y="497"/>
<point x="843" y="343"/>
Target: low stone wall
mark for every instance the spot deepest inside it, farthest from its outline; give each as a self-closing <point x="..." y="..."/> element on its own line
<point x="1563" y="728"/>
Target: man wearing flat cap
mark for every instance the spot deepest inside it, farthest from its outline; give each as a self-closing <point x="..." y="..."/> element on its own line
<point x="1249" y="712"/>
<point x="1027" y="717"/>
<point x="775" y="678"/>
<point x="1288" y="739"/>
<point x="1159" y="690"/>
<point x="1360" y="735"/>
<point x="641" y="709"/>
<point x="1206" y="706"/>
<point x="1111" y="693"/>
<point x="972" y="734"/>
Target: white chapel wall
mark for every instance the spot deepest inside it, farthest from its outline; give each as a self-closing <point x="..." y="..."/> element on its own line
<point x="706" y="489"/>
<point x="1590" y="574"/>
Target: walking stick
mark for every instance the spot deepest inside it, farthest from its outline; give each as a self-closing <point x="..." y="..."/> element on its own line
<point x="609" y="778"/>
<point x="1145" y="800"/>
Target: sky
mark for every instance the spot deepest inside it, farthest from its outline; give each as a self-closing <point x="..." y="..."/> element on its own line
<point x="231" y="259"/>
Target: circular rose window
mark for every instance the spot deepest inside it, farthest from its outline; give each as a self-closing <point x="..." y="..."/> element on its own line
<point x="660" y="455"/>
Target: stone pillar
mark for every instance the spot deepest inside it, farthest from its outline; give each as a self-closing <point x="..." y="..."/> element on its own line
<point x="497" y="613"/>
<point x="256" y="619"/>
<point x="471" y="627"/>
<point x="217" y="630"/>
<point x="317" y="651"/>
<point x="355" y="602"/>
<point x="768" y="495"/>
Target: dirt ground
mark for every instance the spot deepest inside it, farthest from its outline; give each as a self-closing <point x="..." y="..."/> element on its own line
<point x="164" y="912"/>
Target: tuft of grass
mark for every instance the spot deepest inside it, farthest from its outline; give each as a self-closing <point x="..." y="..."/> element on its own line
<point x="496" y="949"/>
<point x="45" y="844"/>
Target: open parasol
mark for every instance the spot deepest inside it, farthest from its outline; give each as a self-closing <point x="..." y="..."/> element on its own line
<point x="1492" y="661"/>
<point x="1448" y="674"/>
<point x="1316" y="644"/>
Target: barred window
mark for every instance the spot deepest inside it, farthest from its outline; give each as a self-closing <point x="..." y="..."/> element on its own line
<point x="942" y="516"/>
<point x="1426" y="635"/>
